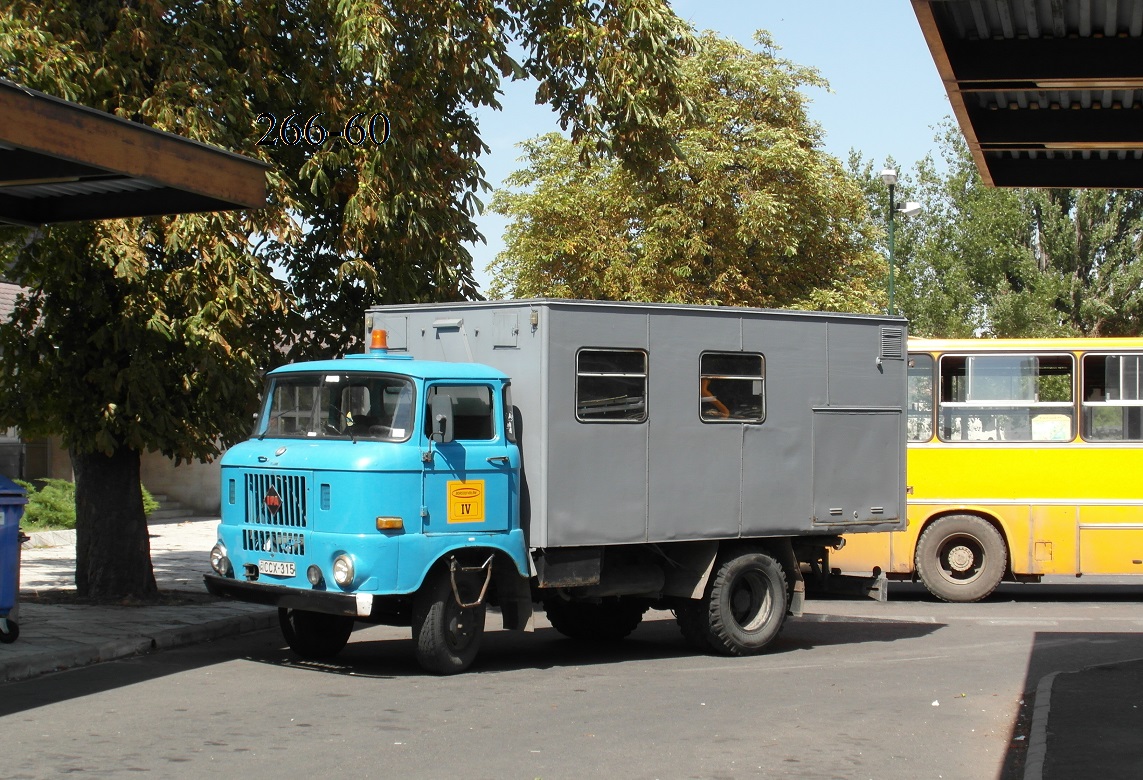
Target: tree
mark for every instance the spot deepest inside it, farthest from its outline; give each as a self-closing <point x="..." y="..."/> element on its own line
<point x="1012" y="262"/>
<point x="750" y="210"/>
<point x="149" y="334"/>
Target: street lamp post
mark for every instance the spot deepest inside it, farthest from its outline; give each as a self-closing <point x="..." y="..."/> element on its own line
<point x="907" y="209"/>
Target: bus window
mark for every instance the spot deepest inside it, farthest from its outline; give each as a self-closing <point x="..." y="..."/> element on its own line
<point x="1006" y="398"/>
<point x="1113" y="397"/>
<point x="920" y="398"/>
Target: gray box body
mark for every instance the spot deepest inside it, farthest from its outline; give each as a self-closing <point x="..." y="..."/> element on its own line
<point x="828" y="458"/>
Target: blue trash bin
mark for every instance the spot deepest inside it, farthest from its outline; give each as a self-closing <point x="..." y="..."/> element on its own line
<point x="12" y="501"/>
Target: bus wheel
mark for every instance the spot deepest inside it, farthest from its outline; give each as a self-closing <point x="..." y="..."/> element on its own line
<point x="961" y="558"/>
<point x="447" y="636"/>
<point x="609" y="621"/>
<point x="745" y="604"/>
<point x="314" y="636"/>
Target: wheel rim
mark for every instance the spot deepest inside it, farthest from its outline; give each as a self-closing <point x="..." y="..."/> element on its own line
<point x="961" y="559"/>
<point x="751" y="602"/>
<point x="461" y="627"/>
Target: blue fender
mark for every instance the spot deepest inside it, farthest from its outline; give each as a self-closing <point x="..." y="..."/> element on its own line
<point x="419" y="553"/>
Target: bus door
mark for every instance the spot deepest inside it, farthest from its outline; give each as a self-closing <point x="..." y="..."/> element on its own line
<point x="470" y="481"/>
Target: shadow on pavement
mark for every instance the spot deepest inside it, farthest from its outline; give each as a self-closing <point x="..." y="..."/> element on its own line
<point x="1068" y="590"/>
<point x="1084" y="694"/>
<point x="377" y="652"/>
<point x="45" y="690"/>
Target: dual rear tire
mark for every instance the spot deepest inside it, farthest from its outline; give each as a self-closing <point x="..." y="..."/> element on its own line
<point x="743" y="609"/>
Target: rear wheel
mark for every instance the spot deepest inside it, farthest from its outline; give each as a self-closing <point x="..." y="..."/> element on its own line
<point x="314" y="635"/>
<point x="961" y="558"/>
<point x="607" y="621"/>
<point x="744" y="607"/>
<point x="9" y="631"/>
<point x="446" y="634"/>
<point x="691" y="619"/>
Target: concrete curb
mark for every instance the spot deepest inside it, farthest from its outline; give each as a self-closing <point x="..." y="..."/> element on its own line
<point x="113" y="649"/>
<point x="214" y="629"/>
<point x="50" y="539"/>
<point x="1038" y="733"/>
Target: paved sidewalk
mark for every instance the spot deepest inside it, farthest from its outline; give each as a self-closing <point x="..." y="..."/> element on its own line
<point x="57" y="634"/>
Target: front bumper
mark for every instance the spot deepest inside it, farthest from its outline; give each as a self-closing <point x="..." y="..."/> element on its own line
<point x="358" y="605"/>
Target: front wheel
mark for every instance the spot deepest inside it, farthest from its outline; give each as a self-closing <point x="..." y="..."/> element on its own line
<point x="961" y="558"/>
<point x="9" y="631"/>
<point x="744" y="607"/>
<point x="447" y="635"/>
<point x="314" y="636"/>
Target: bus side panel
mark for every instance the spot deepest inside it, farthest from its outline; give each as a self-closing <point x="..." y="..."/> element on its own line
<point x="1053" y="542"/>
<point x="864" y="552"/>
<point x="1111" y="539"/>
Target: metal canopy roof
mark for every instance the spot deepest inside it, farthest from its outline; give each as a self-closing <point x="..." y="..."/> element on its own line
<point x="62" y="162"/>
<point x="1048" y="93"/>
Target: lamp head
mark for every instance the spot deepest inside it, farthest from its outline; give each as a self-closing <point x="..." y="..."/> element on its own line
<point x="909" y="209"/>
<point x="889" y="176"/>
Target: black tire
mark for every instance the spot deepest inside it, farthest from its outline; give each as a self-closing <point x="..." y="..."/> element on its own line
<point x="12" y="634"/>
<point x="610" y="620"/>
<point x="447" y="636"/>
<point x="692" y="621"/>
<point x="961" y="558"/>
<point x="745" y="604"/>
<point x="314" y="636"/>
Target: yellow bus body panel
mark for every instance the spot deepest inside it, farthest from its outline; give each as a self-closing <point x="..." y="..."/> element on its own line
<point x="1063" y="507"/>
<point x="1074" y="508"/>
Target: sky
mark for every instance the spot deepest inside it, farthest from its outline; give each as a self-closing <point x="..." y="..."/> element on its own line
<point x="885" y="98"/>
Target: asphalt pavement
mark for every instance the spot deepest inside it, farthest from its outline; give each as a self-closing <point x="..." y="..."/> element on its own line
<point x="1085" y="723"/>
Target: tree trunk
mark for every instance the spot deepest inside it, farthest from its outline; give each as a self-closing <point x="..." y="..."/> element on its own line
<point x="112" y="548"/>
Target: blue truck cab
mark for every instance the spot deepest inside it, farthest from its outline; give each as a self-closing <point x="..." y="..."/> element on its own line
<point x="377" y="488"/>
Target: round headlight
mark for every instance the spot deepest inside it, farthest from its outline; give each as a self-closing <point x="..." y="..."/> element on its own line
<point x="343" y="570"/>
<point x="218" y="560"/>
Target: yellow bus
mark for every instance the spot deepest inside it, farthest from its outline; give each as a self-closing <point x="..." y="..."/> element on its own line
<point x="1025" y="458"/>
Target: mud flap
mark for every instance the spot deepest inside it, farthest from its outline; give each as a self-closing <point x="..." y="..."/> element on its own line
<point x="875" y="587"/>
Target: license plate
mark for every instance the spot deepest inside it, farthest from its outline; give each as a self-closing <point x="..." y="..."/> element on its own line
<point x="276" y="568"/>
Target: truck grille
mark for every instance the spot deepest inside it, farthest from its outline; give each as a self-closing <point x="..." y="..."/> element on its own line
<point x="273" y="542"/>
<point x="276" y="499"/>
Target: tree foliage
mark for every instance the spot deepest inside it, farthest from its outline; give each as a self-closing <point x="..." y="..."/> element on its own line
<point x="1012" y="262"/>
<point x="750" y="211"/>
<point x="149" y="334"/>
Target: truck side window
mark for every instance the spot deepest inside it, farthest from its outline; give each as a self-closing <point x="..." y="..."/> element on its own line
<point x="732" y="387"/>
<point x="611" y="385"/>
<point x="471" y="411"/>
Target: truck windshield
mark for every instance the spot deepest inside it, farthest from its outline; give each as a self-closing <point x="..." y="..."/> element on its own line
<point x="338" y="406"/>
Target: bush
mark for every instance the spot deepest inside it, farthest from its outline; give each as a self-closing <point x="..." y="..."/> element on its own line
<point x="51" y="506"/>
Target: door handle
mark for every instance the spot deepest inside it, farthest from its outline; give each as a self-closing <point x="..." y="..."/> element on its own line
<point x="501" y="459"/>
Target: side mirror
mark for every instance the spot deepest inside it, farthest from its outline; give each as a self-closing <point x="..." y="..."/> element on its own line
<point x="440" y="413"/>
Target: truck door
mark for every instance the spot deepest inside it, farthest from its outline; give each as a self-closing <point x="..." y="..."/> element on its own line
<point x="471" y="482"/>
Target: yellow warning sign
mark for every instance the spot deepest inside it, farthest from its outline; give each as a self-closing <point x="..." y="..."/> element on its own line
<point x="466" y="501"/>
